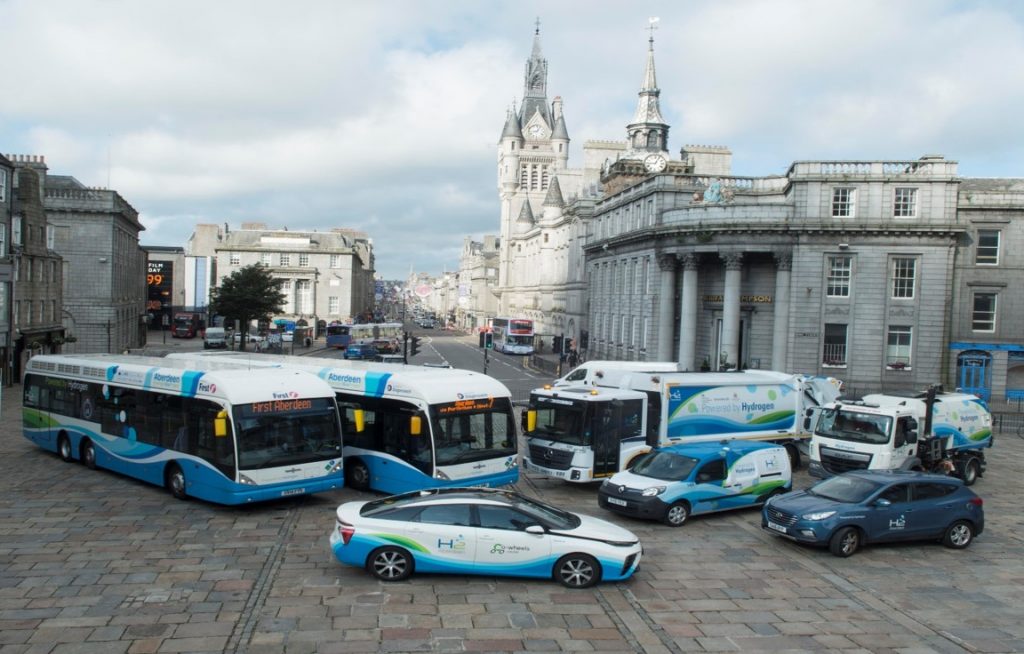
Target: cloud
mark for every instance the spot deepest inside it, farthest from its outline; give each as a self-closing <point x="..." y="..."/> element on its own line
<point x="385" y="116"/>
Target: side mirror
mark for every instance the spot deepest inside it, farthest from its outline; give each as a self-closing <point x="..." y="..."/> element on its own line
<point x="535" y="529"/>
<point x="531" y="421"/>
<point x="360" y="419"/>
<point x="881" y="503"/>
<point x="220" y="424"/>
<point x="415" y="425"/>
<point x="912" y="436"/>
<point x="807" y="424"/>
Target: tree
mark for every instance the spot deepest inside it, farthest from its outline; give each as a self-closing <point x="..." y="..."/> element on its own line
<point x="246" y="294"/>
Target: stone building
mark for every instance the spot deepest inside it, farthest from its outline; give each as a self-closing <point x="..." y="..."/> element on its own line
<point x="96" y="232"/>
<point x="327" y="276"/>
<point x="38" y="269"/>
<point x="477" y="281"/>
<point x="890" y="275"/>
<point x="7" y="334"/>
<point x="545" y="207"/>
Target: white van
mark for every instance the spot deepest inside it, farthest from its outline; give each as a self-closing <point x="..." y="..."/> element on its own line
<point x="591" y="372"/>
<point x="215" y="339"/>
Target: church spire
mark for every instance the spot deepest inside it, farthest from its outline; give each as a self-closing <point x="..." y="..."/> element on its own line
<point x="535" y="84"/>
<point x="648" y="132"/>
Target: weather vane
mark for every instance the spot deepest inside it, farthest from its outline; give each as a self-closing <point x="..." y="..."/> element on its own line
<point x="538" y="25"/>
<point x="652" y="25"/>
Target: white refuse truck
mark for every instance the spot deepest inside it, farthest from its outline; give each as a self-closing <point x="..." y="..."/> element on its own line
<point x="932" y="431"/>
<point x="582" y="433"/>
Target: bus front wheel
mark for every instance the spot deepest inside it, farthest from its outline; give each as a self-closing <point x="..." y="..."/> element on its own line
<point x="358" y="475"/>
<point x="176" y="481"/>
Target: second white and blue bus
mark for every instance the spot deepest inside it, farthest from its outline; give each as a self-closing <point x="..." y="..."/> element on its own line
<point x="199" y="428"/>
<point x="423" y="427"/>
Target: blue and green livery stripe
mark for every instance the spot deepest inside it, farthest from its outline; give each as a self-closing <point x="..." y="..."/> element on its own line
<point x="403" y="541"/>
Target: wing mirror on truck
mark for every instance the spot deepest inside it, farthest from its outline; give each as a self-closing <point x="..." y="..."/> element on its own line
<point x="807" y="419"/>
<point x="530" y="421"/>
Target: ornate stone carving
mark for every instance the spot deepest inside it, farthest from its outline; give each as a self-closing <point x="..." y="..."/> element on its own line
<point x="783" y="260"/>
<point x="733" y="260"/>
<point x="689" y="261"/>
<point x="667" y="262"/>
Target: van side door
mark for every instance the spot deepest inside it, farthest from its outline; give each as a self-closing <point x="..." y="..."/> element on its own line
<point x="741" y="478"/>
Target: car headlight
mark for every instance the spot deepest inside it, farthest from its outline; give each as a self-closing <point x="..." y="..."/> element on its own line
<point x="819" y="515"/>
<point x="653" y="490"/>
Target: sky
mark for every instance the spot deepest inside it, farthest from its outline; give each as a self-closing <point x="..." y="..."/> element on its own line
<point x="385" y="116"/>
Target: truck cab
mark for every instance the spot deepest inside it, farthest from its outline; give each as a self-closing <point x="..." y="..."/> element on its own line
<point x="583" y="433"/>
<point x="937" y="432"/>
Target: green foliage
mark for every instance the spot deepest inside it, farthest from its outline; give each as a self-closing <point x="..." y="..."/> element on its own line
<point x="248" y="293"/>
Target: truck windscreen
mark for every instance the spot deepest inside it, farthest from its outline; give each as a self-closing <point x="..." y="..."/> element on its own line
<point x="844" y="424"/>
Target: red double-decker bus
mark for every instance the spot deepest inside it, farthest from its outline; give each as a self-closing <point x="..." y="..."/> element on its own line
<point x="512" y="335"/>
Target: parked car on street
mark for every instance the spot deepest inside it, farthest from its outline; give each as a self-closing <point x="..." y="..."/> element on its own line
<point x="360" y="351"/>
<point x="674" y="482"/>
<point x="481" y="531"/>
<point x="857" y="508"/>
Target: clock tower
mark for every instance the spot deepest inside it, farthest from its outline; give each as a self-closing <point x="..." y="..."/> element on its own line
<point x="533" y="149"/>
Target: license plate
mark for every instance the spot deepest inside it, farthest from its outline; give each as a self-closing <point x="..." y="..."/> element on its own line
<point x="779" y="528"/>
<point x="293" y="491"/>
<point x="616" y="501"/>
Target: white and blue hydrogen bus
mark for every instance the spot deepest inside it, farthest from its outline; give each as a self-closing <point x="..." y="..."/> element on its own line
<point x="422" y="427"/>
<point x="202" y="429"/>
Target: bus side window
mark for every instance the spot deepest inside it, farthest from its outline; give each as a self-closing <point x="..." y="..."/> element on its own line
<point x="31" y="396"/>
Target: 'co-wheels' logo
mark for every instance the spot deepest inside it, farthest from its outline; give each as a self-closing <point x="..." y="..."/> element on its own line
<point x="207" y="388"/>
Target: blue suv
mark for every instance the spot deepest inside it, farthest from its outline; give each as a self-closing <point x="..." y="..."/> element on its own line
<point x="861" y="507"/>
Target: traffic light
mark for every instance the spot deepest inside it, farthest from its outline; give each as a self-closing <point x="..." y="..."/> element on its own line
<point x="414" y="345"/>
<point x="556" y="344"/>
<point x="489" y="341"/>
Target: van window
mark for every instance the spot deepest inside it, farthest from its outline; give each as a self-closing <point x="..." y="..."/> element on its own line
<point x="711" y="472"/>
<point x="577" y="375"/>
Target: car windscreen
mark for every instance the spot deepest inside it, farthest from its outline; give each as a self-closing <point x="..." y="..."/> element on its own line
<point x="666" y="466"/>
<point x="845" y="488"/>
<point x="547" y="515"/>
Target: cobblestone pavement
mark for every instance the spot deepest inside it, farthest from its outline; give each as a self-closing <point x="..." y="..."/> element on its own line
<point x="94" y="562"/>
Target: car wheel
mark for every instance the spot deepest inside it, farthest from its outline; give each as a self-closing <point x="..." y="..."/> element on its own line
<point x="958" y="535"/>
<point x="176" y="481"/>
<point x="577" y="571"/>
<point x="358" y="475"/>
<point x="390" y="564"/>
<point x="64" y="447"/>
<point x="676" y="514"/>
<point x="972" y="470"/>
<point x="845" y="542"/>
<point x="794" y="456"/>
<point x="88" y="455"/>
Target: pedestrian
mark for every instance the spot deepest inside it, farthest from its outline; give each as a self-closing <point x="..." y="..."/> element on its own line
<point x="573" y="358"/>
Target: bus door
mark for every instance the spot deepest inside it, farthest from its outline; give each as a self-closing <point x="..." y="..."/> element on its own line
<point x="413" y="450"/>
<point x="605" y="438"/>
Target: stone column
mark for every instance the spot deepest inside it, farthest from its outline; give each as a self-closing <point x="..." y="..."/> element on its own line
<point x="731" y="308"/>
<point x="780" y="329"/>
<point x="688" y="312"/>
<point x="667" y="263"/>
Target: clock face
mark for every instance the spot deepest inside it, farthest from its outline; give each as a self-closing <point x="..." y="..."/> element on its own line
<point x="536" y="131"/>
<point x="655" y="163"/>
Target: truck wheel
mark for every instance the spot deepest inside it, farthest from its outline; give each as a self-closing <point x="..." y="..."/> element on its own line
<point x="958" y="535"/>
<point x="971" y="471"/>
<point x="676" y="514"/>
<point x="845" y="542"/>
<point x="794" y="456"/>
